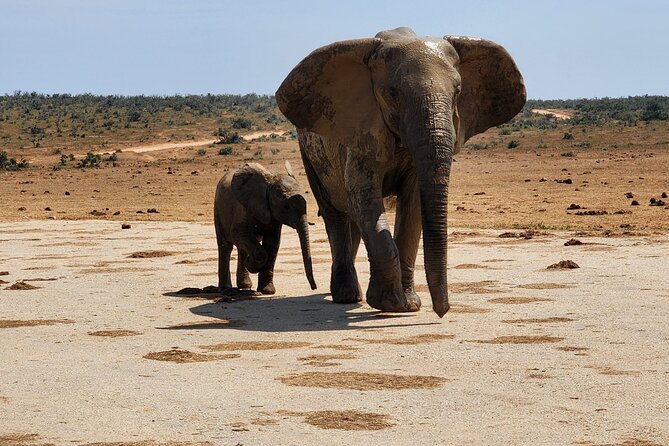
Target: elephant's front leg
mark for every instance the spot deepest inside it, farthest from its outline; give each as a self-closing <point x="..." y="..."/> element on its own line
<point x="365" y="203"/>
<point x="407" y="235"/>
<point x="270" y="242"/>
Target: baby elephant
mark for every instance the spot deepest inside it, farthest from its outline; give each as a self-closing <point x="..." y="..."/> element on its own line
<point x="250" y="207"/>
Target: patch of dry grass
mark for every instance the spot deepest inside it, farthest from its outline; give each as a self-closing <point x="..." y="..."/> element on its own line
<point x="544" y="320"/>
<point x="150" y="254"/>
<point x="520" y="340"/>
<point x="184" y="356"/>
<point x="114" y="333"/>
<point x="409" y="340"/>
<point x="518" y="300"/>
<point x="8" y="323"/>
<point x="362" y="381"/>
<point x="253" y="345"/>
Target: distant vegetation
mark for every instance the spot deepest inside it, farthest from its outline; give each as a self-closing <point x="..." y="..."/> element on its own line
<point x="66" y="121"/>
<point x="597" y="112"/>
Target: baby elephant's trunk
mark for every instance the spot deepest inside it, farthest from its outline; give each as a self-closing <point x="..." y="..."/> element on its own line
<point x="303" y="232"/>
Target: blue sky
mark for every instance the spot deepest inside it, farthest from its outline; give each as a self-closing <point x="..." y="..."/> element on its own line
<point x="565" y="49"/>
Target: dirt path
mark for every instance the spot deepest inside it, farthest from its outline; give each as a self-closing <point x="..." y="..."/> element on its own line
<point x="559" y="115"/>
<point x="104" y="351"/>
<point x="200" y="143"/>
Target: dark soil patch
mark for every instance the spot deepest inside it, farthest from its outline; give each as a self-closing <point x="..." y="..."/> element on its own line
<point x="4" y="323"/>
<point x="410" y="340"/>
<point x="520" y="340"/>
<point x="21" y="285"/>
<point x="114" y="333"/>
<point x="518" y="300"/>
<point x="470" y="266"/>
<point x="184" y="356"/>
<point x="570" y="348"/>
<point x="545" y="320"/>
<point x="150" y="254"/>
<point x="348" y="420"/>
<point x="362" y="381"/>
<point x="468" y="309"/>
<point x="22" y="440"/>
<point x="573" y="242"/>
<point x="254" y="345"/>
<point x="544" y="286"/>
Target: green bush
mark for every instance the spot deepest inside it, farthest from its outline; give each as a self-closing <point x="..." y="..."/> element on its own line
<point x="201" y="152"/>
<point x="225" y="150"/>
<point x="505" y="131"/>
<point x="91" y="160"/>
<point x="567" y="135"/>
<point x="8" y="163"/>
<point x="567" y="154"/>
<point x="513" y="144"/>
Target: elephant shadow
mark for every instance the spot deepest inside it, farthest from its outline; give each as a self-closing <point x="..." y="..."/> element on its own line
<point x="313" y="312"/>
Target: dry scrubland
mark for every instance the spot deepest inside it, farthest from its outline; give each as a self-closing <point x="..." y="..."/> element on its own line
<point x="100" y="349"/>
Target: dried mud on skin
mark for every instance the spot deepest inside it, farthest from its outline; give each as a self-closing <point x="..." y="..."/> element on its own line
<point x="362" y="381"/>
<point x="409" y="340"/>
<point x="206" y="325"/>
<point x="544" y="286"/>
<point x="518" y="300"/>
<point x="184" y="356"/>
<point x="348" y="420"/>
<point x="520" y="340"/>
<point x="21" y="285"/>
<point x="150" y="254"/>
<point x="32" y="323"/>
<point x="114" y="333"/>
<point x="22" y="440"/>
<point x="545" y="320"/>
<point x="253" y="345"/>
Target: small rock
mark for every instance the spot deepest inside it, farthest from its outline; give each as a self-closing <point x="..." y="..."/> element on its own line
<point x="664" y="195"/>
<point x="658" y="203"/>
<point x="635" y="203"/>
<point x="564" y="264"/>
<point x="592" y="212"/>
<point x="67" y="193"/>
<point x="479" y="193"/>
<point x="460" y="208"/>
<point x="47" y="208"/>
<point x="117" y="213"/>
<point x="543" y="180"/>
<point x="4" y="273"/>
<point x="573" y="206"/>
<point x="22" y="208"/>
<point x="140" y="212"/>
<point x="125" y="226"/>
<point x="97" y="213"/>
<point x="629" y="195"/>
<point x="573" y="242"/>
<point x="152" y="211"/>
<point x="653" y="200"/>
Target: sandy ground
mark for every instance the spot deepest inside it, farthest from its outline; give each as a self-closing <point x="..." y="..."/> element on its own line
<point x="104" y="351"/>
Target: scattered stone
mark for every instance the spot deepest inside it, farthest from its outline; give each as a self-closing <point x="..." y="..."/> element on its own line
<point x="67" y="193"/>
<point x="479" y="193"/>
<point x="592" y="212"/>
<point x="140" y="212"/>
<point x="152" y="211"/>
<point x="125" y="226"/>
<point x="543" y="180"/>
<point x="664" y="195"/>
<point x="97" y="213"/>
<point x="621" y="212"/>
<point x="573" y="206"/>
<point x="565" y="181"/>
<point x="117" y="213"/>
<point x="626" y="226"/>
<point x="635" y="203"/>
<point x="22" y="208"/>
<point x="460" y="208"/>
<point x="524" y="234"/>
<point x="654" y="202"/>
<point x="564" y="264"/>
<point x="4" y="273"/>
<point x="629" y="195"/>
<point x="573" y="242"/>
<point x="47" y="208"/>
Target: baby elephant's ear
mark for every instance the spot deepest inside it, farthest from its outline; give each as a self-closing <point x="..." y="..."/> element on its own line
<point x="289" y="169"/>
<point x="249" y="186"/>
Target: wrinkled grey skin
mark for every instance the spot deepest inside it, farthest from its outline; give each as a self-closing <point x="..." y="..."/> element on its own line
<point x="250" y="206"/>
<point x="384" y="116"/>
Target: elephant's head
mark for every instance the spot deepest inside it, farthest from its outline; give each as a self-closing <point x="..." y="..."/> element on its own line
<point x="421" y="94"/>
<point x="269" y="197"/>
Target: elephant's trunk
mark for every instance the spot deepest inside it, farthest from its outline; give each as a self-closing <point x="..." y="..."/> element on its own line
<point x="303" y="232"/>
<point x="433" y="138"/>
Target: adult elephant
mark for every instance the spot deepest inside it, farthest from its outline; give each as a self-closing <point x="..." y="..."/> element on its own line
<point x="384" y="116"/>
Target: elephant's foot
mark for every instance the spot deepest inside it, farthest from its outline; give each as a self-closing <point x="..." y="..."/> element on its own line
<point x="345" y="288"/>
<point x="245" y="284"/>
<point x="391" y="300"/>
<point x="413" y="300"/>
<point x="267" y="289"/>
<point x="254" y="262"/>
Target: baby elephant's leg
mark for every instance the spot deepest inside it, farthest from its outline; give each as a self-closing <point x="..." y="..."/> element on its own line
<point x="243" y="277"/>
<point x="270" y="243"/>
<point x="224" y="251"/>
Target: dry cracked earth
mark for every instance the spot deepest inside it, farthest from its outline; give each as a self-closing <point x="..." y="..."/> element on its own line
<point x="99" y="348"/>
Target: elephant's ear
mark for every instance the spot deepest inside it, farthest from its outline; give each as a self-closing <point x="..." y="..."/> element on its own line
<point x="249" y="186"/>
<point x="330" y="93"/>
<point x="493" y="90"/>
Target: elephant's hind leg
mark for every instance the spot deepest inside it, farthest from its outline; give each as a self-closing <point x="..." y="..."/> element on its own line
<point x="270" y="243"/>
<point x="243" y="277"/>
<point x="224" y="251"/>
